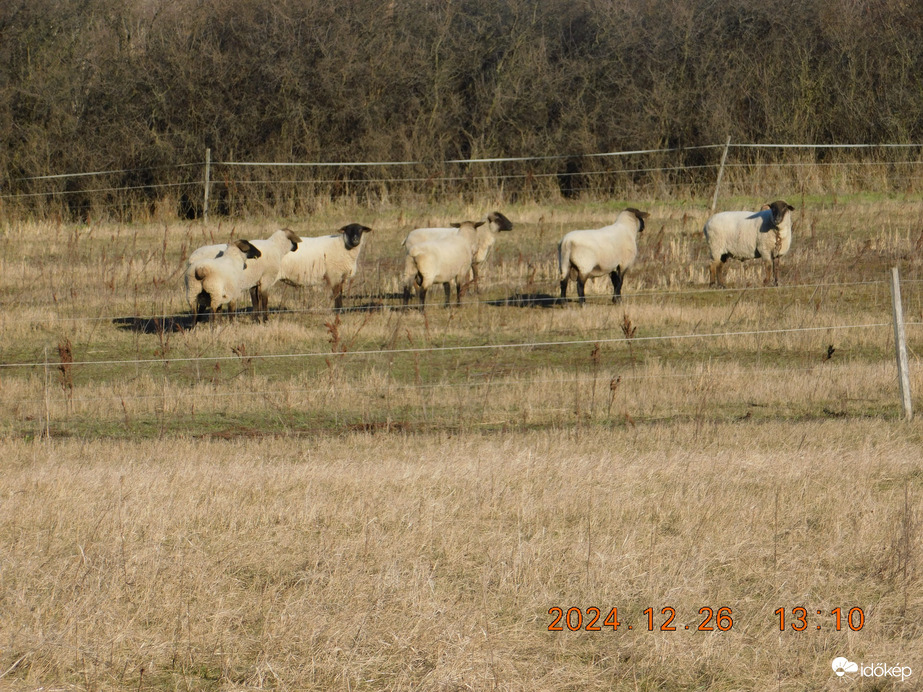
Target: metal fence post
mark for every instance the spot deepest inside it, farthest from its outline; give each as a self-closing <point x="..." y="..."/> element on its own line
<point x="208" y="177"/>
<point x="900" y="345"/>
<point x="724" y="157"/>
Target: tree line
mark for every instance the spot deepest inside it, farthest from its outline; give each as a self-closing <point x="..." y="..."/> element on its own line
<point x="145" y="86"/>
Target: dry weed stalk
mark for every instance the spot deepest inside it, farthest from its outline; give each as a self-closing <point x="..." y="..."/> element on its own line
<point x="613" y="388"/>
<point x="65" y="367"/>
<point x="628" y="330"/>
<point x="246" y="360"/>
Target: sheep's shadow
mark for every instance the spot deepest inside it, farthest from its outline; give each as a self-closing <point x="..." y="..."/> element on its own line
<point x="157" y="324"/>
<point x="529" y="300"/>
<point x="160" y="324"/>
<point x="370" y="306"/>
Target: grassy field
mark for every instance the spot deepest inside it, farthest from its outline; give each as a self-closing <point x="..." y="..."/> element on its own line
<point x="384" y="499"/>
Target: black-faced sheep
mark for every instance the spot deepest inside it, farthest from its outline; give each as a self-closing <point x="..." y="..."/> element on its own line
<point x="486" y="237"/>
<point x="441" y="261"/>
<point x="329" y="259"/>
<point x="745" y="235"/>
<point x="609" y="250"/>
<point x="213" y="283"/>
<point x="260" y="274"/>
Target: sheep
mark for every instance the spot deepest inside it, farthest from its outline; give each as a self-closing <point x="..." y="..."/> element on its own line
<point x="261" y="274"/>
<point x="744" y="235"/>
<point x="329" y="259"/>
<point x="609" y="250"/>
<point x="486" y="237"/>
<point x="212" y="283"/>
<point x="441" y="261"/>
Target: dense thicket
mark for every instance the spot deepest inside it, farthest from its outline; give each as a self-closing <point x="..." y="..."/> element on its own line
<point x="144" y="85"/>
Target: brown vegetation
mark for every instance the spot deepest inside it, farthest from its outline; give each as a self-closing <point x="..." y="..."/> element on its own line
<point x="204" y="509"/>
<point x="144" y="88"/>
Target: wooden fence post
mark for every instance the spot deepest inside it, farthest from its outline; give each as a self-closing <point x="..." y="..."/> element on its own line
<point x="900" y="345"/>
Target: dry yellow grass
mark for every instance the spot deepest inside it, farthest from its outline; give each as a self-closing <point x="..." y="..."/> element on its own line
<point x="387" y="500"/>
<point x="389" y="562"/>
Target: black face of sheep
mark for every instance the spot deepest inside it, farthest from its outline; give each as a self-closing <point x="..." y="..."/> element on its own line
<point x="779" y="209"/>
<point x="352" y="234"/>
<point x="502" y="223"/>
<point x="640" y="215"/>
<point x="293" y="238"/>
<point x="250" y="252"/>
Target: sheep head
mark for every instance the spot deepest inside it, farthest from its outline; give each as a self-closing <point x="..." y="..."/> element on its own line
<point x="500" y="221"/>
<point x="293" y="238"/>
<point x="640" y="215"/>
<point x="250" y="252"/>
<point x="778" y="208"/>
<point x="352" y="234"/>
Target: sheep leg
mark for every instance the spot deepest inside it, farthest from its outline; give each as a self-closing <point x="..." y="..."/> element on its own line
<point x="580" y="292"/>
<point x="202" y="304"/>
<point x="717" y="271"/>
<point x="775" y="271"/>
<point x="255" y="301"/>
<point x="422" y="293"/>
<point x="338" y="297"/>
<point x="264" y="306"/>
<point x="563" y="289"/>
<point x="617" y="279"/>
<point x="447" y="287"/>
<point x="260" y="302"/>
<point x="474" y="272"/>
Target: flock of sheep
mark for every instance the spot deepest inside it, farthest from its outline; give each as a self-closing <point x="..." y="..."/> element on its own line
<point x="217" y="276"/>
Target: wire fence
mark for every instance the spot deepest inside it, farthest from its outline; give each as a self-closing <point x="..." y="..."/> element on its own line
<point x="556" y="381"/>
<point x="422" y="385"/>
<point x="428" y="350"/>
<point x="234" y="188"/>
<point x="519" y="300"/>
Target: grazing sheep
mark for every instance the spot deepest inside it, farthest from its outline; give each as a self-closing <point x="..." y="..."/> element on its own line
<point x="486" y="237"/>
<point x="261" y="274"/>
<point x="329" y="259"/>
<point x="609" y="250"/>
<point x="744" y="235"/>
<point x="212" y="283"/>
<point x="441" y="261"/>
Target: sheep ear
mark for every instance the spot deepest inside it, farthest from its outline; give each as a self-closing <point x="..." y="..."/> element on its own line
<point x="291" y="235"/>
<point x="455" y="225"/>
<point x="249" y="250"/>
<point x="479" y="224"/>
<point x="640" y="214"/>
<point x="354" y="227"/>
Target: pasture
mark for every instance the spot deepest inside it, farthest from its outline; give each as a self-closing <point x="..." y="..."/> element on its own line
<point x="385" y="499"/>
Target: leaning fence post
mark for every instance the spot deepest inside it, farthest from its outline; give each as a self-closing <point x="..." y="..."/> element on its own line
<point x="724" y="157"/>
<point x="208" y="177"/>
<point x="900" y="345"/>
